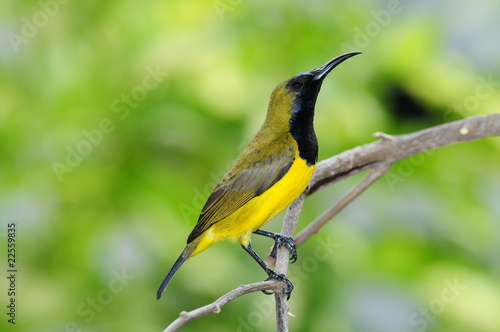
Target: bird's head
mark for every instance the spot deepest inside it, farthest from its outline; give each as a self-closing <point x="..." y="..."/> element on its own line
<point x="291" y="108"/>
<point x="294" y="99"/>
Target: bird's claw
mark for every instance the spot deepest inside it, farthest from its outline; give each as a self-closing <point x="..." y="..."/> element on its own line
<point x="280" y="277"/>
<point x="280" y="240"/>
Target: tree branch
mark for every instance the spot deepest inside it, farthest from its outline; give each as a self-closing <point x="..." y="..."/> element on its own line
<point x="377" y="157"/>
<point x="289" y="225"/>
<point x="215" y="307"/>
<point x="390" y="149"/>
<point x="375" y="173"/>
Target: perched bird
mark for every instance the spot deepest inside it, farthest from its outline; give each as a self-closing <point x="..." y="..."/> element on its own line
<point x="269" y="174"/>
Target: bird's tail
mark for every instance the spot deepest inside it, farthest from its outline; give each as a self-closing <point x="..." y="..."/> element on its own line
<point x="186" y="253"/>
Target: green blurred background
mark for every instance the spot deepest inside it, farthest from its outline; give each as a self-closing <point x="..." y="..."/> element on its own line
<point x="118" y="118"/>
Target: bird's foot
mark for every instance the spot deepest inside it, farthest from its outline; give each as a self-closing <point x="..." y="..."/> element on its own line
<point x="280" y="240"/>
<point x="280" y="277"/>
<point x="284" y="240"/>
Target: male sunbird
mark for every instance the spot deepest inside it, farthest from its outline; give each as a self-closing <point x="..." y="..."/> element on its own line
<point x="269" y="174"/>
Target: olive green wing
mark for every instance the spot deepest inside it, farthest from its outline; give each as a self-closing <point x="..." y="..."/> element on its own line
<point x="251" y="175"/>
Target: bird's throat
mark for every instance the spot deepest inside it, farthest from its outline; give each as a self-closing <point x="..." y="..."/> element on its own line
<point x="302" y="130"/>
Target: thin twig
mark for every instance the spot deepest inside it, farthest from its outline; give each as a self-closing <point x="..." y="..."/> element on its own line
<point x="380" y="155"/>
<point x="282" y="258"/>
<point x="390" y="149"/>
<point x="215" y="307"/>
<point x="319" y="222"/>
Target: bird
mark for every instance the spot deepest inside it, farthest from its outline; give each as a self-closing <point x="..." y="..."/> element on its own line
<point x="271" y="172"/>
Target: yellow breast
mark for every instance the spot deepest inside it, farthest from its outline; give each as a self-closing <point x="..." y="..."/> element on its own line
<point x="242" y="223"/>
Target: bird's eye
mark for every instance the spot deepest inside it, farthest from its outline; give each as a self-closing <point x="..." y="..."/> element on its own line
<point x="296" y="85"/>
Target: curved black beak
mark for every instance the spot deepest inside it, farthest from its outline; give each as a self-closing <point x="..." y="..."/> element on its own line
<point x="320" y="73"/>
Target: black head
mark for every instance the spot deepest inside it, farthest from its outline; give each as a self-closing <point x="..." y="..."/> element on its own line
<point x="306" y="86"/>
<point x="303" y="90"/>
